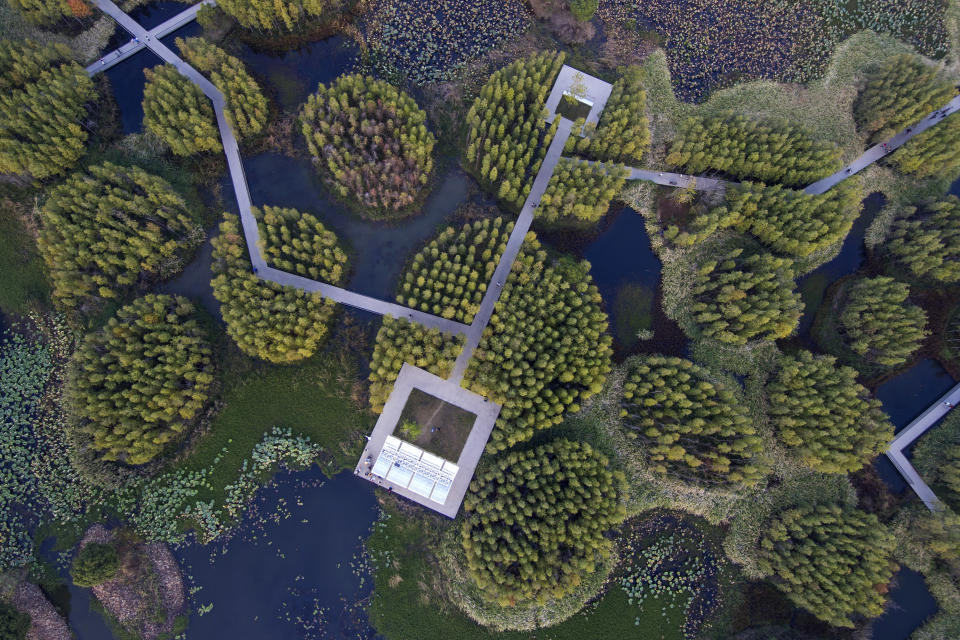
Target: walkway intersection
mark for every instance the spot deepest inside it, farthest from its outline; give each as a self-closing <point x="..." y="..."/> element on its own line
<point x="596" y="92"/>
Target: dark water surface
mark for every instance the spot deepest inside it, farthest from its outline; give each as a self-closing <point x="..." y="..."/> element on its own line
<point x="910" y="605"/>
<point x="194" y="281"/>
<point x="378" y="250"/>
<point x="296" y="575"/>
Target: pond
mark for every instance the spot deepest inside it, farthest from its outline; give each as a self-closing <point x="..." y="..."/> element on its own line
<point x="292" y="570"/>
<point x="910" y="605"/>
<point x="852" y="254"/>
<point x="126" y="78"/>
<point x="904" y="397"/>
<point x="627" y="273"/>
<point x="194" y="281"/>
<point x="378" y="250"/>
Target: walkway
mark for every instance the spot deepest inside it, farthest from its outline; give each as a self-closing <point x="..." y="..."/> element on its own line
<point x="514" y="244"/>
<point x="911" y="432"/>
<point x="250" y="231"/>
<point x="166" y="28"/>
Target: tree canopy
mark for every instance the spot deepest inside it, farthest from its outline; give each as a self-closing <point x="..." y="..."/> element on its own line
<point x="299" y="243"/>
<point x="935" y="152"/>
<point x="13" y="624"/>
<point x="175" y="109"/>
<point x="48" y="12"/>
<point x="623" y="132"/>
<point x="94" y="564"/>
<point x="246" y="105"/>
<point x="536" y="521"/>
<point x="926" y="240"/>
<point x="109" y="229"/>
<point x="898" y="94"/>
<point x="879" y="323"/>
<point x="137" y="384"/>
<point x="688" y="425"/>
<point x="545" y="349"/>
<point x="770" y="151"/>
<point x="278" y="15"/>
<point x="740" y="297"/>
<point x="508" y="136"/>
<point x="578" y="192"/>
<point x="43" y="98"/>
<point x="372" y="140"/>
<point x="275" y="323"/>
<point x="834" y="562"/>
<point x="949" y="475"/>
<point x="789" y="222"/>
<point x="822" y="413"/>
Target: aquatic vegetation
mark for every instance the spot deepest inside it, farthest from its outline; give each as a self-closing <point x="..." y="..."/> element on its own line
<point x="678" y="566"/>
<point x="712" y="44"/>
<point x="371" y="141"/>
<point x="689" y="426"/>
<point x="429" y="40"/>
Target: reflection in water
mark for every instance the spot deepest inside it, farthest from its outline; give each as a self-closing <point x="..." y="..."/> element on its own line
<point x="910" y="605"/>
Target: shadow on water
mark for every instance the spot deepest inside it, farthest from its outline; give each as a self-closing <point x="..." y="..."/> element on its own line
<point x="910" y="605"/>
<point x="851" y="257"/>
<point x="378" y="250"/>
<point x="295" y="74"/>
<point x="194" y="281"/>
<point x="292" y="570"/>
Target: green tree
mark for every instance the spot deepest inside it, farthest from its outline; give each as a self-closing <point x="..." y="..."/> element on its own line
<point x="13" y="624"/>
<point x="878" y="323"/>
<point x="688" y="425"/>
<point x="898" y="94"/>
<point x="740" y="298"/>
<point x="935" y="152"/>
<point x="822" y="413"/>
<point x="372" y="139"/>
<point x="110" y="229"/>
<point x="275" y="323"/>
<point x="770" y="151"/>
<point x="580" y="193"/>
<point x="43" y="100"/>
<point x="926" y="240"/>
<point x="95" y="564"/>
<point x="623" y="132"/>
<point x="246" y="105"/>
<point x="175" y="109"/>
<point x="508" y="136"/>
<point x="279" y="15"/>
<point x="49" y="12"/>
<point x="537" y="521"/>
<point x="544" y="351"/>
<point x="834" y="562"/>
<point x="949" y="474"/>
<point x="583" y="10"/>
<point x="138" y="383"/>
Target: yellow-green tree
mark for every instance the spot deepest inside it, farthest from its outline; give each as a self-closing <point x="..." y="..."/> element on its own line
<point x="834" y="562"/>
<point x="137" y="384"/>
<point x="926" y="240"/>
<point x="823" y="414"/>
<point x="275" y="323"/>
<point x="878" y="323"/>
<point x="175" y="109"/>
<point x="279" y="15"/>
<point x="537" y="521"/>
<point x="43" y="98"/>
<point x="46" y="12"/>
<point x="110" y="229"/>
<point x="246" y="105"/>
<point x="371" y="139"/>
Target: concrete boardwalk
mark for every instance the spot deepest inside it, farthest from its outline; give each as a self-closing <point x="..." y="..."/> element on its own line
<point x="910" y="433"/>
<point x="250" y="231"/>
<point x="164" y="29"/>
<point x="415" y="378"/>
<point x="514" y="244"/>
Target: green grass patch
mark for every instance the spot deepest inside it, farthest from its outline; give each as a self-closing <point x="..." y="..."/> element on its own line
<point x="437" y="426"/>
<point x="22" y="280"/>
<point x="310" y="399"/>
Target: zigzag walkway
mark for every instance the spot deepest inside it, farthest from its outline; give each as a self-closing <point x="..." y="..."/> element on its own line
<point x="250" y="231"/>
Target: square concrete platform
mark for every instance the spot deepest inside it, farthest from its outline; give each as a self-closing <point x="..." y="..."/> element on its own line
<point x="413" y="473"/>
<point x="596" y="93"/>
